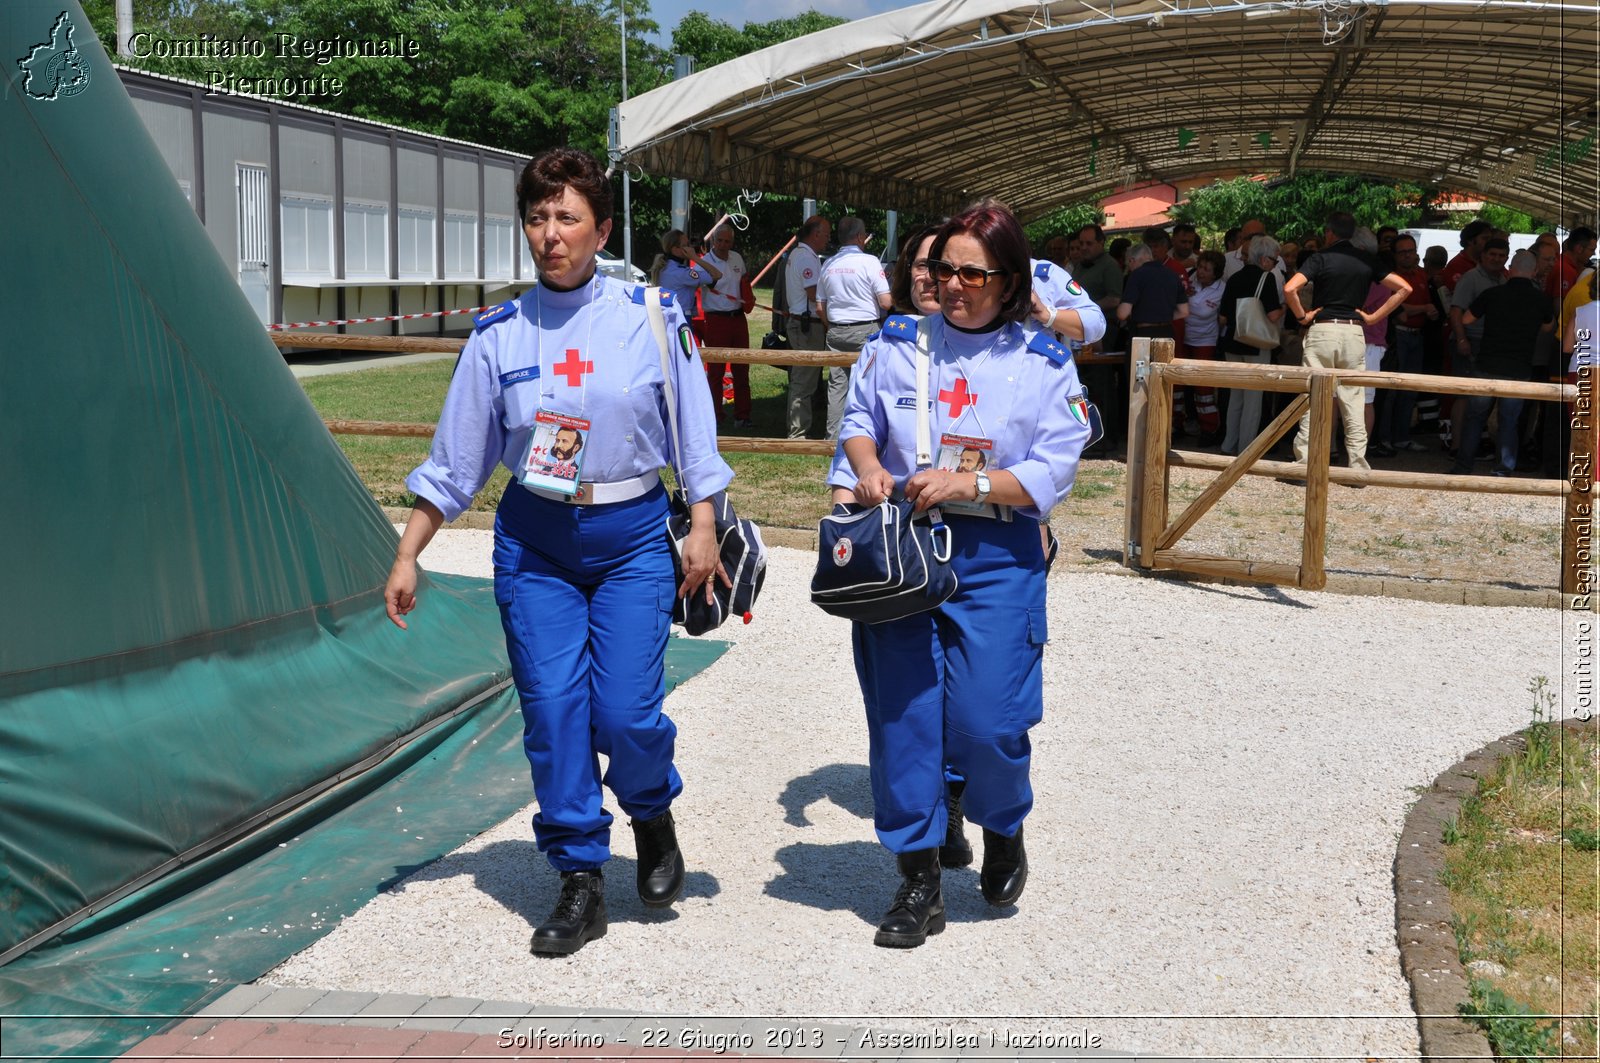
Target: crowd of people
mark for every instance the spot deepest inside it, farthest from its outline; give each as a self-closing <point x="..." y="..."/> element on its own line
<point x="1353" y="298"/>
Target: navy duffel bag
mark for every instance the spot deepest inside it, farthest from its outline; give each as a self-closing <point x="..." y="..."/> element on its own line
<point x="883" y="562"/>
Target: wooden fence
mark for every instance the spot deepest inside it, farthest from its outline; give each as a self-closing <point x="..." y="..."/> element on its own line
<point x="1152" y="538"/>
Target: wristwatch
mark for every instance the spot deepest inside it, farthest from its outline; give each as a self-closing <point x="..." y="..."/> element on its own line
<point x="983" y="488"/>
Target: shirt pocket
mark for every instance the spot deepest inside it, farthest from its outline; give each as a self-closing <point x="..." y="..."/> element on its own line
<point x="521" y="401"/>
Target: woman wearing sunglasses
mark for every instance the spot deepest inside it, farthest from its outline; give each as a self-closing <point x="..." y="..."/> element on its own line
<point x="961" y="685"/>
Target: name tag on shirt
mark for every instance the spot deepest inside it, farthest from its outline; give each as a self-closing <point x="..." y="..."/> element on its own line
<point x="518" y="375"/>
<point x="909" y="402"/>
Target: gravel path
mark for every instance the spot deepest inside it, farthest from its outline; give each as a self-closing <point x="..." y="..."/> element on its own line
<point x="1220" y="777"/>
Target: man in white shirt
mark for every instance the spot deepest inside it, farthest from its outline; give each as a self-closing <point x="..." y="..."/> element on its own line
<point x="804" y="328"/>
<point x="852" y="295"/>
<point x="725" y="323"/>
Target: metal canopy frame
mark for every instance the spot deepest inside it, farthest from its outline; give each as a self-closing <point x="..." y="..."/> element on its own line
<point x="1044" y="104"/>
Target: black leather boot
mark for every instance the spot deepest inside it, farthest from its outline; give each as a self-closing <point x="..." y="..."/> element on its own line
<point x="579" y="916"/>
<point x="955" y="852"/>
<point x="918" y="908"/>
<point x="1005" y="868"/>
<point x="660" y="862"/>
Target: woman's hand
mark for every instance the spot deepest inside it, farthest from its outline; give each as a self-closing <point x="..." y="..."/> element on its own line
<point x="1043" y="316"/>
<point x="932" y="487"/>
<point x="875" y="486"/>
<point x="400" y="591"/>
<point x="700" y="560"/>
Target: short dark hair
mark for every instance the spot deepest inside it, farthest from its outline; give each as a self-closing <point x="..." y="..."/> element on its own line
<point x="1496" y="243"/>
<point x="811" y="225"/>
<point x="1156" y="235"/>
<point x="559" y="168"/>
<point x="998" y="230"/>
<point x="900" y="289"/>
<point x="1219" y="262"/>
<point x="1398" y="236"/>
<point x="1472" y="230"/>
<point x="1182" y="227"/>
<point x="1342" y="223"/>
<point x="1094" y="227"/>
<point x="1229" y="236"/>
<point x="1578" y="237"/>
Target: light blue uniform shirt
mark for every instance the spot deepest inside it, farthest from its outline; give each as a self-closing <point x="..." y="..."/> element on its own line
<point x="512" y="367"/>
<point x="1029" y="402"/>
<point x="681" y="279"/>
<point x="1056" y="288"/>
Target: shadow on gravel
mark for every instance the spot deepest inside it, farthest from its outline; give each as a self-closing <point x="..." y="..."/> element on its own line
<point x="836" y="878"/>
<point x="846" y="785"/>
<point x="519" y="879"/>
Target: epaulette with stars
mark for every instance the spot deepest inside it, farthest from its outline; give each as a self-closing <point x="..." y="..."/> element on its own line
<point x="493" y="314"/>
<point x="899" y="327"/>
<point x="1046" y="344"/>
<point x="638" y="295"/>
<point x="1042" y="271"/>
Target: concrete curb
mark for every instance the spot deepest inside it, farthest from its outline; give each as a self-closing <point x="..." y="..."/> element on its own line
<point x="1428" y="954"/>
<point x="1444" y="591"/>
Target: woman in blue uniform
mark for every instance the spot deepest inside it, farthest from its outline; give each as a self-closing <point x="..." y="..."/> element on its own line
<point x="962" y="684"/>
<point x="579" y="535"/>
<point x="683" y="273"/>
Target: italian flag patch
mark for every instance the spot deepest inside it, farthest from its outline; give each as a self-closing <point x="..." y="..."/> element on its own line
<point x="1080" y="409"/>
<point x="1073" y="288"/>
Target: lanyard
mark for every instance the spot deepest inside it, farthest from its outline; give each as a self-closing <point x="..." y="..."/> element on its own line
<point x="966" y="373"/>
<point x="588" y="336"/>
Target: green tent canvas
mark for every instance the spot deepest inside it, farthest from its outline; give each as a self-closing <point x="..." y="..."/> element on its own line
<point x="192" y="639"/>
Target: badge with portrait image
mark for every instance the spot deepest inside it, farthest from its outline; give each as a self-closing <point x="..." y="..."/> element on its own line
<point x="964" y="454"/>
<point x="553" y="459"/>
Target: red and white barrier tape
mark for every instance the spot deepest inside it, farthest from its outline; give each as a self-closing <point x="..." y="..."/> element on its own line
<point x="371" y="320"/>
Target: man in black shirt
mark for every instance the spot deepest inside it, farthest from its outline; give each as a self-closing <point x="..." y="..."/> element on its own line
<point x="1513" y="315"/>
<point x="1340" y="276"/>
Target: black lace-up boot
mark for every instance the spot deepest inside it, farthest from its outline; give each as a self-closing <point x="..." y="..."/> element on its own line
<point x="955" y="852"/>
<point x="1005" y="868"/>
<point x="660" y="862"/>
<point x="918" y="908"/>
<point x="579" y="916"/>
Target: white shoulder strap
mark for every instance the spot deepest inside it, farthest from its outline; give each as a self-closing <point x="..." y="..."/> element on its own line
<point x="924" y="362"/>
<point x="658" y="325"/>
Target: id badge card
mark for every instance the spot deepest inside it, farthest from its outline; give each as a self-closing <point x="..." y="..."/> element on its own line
<point x="964" y="454"/>
<point x="553" y="460"/>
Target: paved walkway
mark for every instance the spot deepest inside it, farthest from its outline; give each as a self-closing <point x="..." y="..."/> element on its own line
<point x="257" y="1022"/>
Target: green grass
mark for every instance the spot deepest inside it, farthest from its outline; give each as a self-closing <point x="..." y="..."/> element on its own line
<point x="1523" y="887"/>
<point x="774" y="490"/>
<point x="779" y="490"/>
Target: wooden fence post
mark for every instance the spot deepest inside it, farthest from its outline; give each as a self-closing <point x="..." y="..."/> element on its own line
<point x="1157" y="441"/>
<point x="1313" y="574"/>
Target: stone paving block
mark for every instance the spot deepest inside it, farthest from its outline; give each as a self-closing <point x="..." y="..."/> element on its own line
<point x="440" y="1013"/>
<point x="286" y="1003"/>
<point x="160" y="1046"/>
<point x="492" y="1016"/>
<point x="389" y="1011"/>
<point x="440" y="1045"/>
<point x="336" y="1007"/>
<point x="367" y="1040"/>
<point x="236" y="1001"/>
<point x="225" y="1039"/>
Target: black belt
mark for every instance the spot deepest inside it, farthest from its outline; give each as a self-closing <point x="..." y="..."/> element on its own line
<point x="1152" y="324"/>
<point x="1338" y="321"/>
<point x="851" y="324"/>
<point x="726" y="313"/>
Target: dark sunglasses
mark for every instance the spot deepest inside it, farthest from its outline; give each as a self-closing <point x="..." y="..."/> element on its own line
<point x="971" y="276"/>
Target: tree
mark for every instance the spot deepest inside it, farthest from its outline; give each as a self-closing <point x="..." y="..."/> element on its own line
<point x="711" y="40"/>
<point x="521" y="75"/>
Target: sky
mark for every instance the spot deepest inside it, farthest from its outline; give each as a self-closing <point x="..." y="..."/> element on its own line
<point x="738" y="12"/>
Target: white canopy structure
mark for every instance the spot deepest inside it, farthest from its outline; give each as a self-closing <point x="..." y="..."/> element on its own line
<point x="1044" y="104"/>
